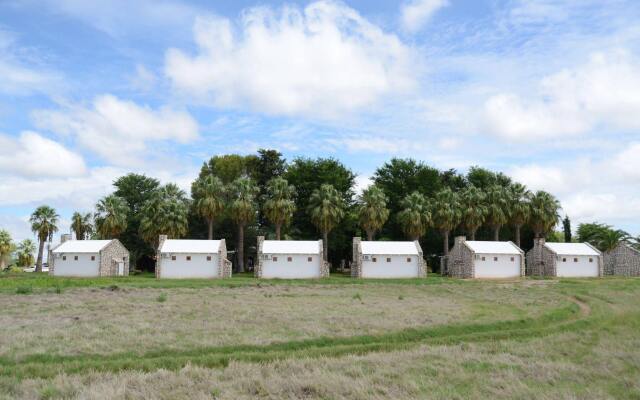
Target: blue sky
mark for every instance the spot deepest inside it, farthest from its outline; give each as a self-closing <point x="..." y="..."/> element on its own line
<point x="545" y="91"/>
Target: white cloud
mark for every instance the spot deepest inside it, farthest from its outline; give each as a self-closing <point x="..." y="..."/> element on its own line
<point x="32" y="155"/>
<point x="416" y="13"/>
<point x="324" y="60"/>
<point x="119" y="130"/>
<point x="143" y="79"/>
<point x="603" y="92"/>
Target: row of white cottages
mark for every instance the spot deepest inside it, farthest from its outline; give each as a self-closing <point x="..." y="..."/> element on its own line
<point x="292" y="259"/>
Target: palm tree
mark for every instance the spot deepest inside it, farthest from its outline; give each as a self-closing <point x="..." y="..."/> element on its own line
<point x="43" y="224"/>
<point x="81" y="225"/>
<point x="165" y="213"/>
<point x="415" y="215"/>
<point x="279" y="205"/>
<point x="446" y="214"/>
<point x="520" y="207"/>
<point x="242" y="207"/>
<point x="326" y="208"/>
<point x="111" y="216"/>
<point x="497" y="201"/>
<point x="6" y="246"/>
<point x="611" y="238"/>
<point x="473" y="210"/>
<point x="25" y="251"/>
<point x="209" y="195"/>
<point x="544" y="213"/>
<point x="373" y="211"/>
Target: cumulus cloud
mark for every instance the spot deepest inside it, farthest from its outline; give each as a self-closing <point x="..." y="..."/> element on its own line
<point x="32" y="155"/>
<point x="603" y="92"/>
<point x="416" y="13"/>
<point x="323" y="60"/>
<point x="118" y="130"/>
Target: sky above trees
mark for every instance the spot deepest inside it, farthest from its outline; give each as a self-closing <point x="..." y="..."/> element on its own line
<point x="548" y="92"/>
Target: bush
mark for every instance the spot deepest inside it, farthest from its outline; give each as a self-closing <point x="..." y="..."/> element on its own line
<point x="24" y="290"/>
<point x="162" y="298"/>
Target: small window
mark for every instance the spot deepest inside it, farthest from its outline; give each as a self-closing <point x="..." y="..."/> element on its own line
<point x="275" y="258"/>
<point x="75" y="258"/>
<point x="64" y="258"/>
<point x="388" y="259"/>
<point x="513" y="259"/>
<point x="591" y="260"/>
<point x="374" y="259"/>
<point x="575" y="260"/>
<point x="309" y="259"/>
<point x="408" y="259"/>
<point x="188" y="258"/>
<point x="93" y="258"/>
<point x="483" y="258"/>
<point x="208" y="258"/>
<point x="173" y="258"/>
<point x="564" y="259"/>
<point x="495" y="258"/>
<point x="289" y="259"/>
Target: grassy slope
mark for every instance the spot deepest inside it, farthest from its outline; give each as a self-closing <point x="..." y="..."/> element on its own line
<point x="588" y="348"/>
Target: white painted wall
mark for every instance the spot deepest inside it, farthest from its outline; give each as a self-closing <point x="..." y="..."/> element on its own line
<point x="503" y="268"/>
<point x="580" y="269"/>
<point x="198" y="267"/>
<point x="298" y="268"/>
<point x="83" y="267"/>
<point x="397" y="267"/>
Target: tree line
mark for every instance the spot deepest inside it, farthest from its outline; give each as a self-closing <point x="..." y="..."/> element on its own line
<point x="238" y="197"/>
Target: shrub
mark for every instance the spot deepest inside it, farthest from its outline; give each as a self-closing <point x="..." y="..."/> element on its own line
<point x="162" y="298"/>
<point x="24" y="290"/>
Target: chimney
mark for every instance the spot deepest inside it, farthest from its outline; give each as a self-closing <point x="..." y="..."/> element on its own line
<point x="460" y="239"/>
<point x="539" y="242"/>
<point x="65" y="237"/>
<point x="161" y="240"/>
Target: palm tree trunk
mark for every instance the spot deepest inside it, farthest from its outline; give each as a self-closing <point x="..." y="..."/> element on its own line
<point x="518" y="235"/>
<point x="210" y="221"/>
<point x="278" y="227"/>
<point x="496" y="233"/>
<point x="446" y="243"/>
<point x="40" y="252"/>
<point x="473" y="233"/>
<point x="240" y="248"/>
<point x="325" y="245"/>
<point x="369" y="235"/>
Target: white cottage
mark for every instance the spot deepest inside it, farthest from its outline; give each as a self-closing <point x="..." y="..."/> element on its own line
<point x="89" y="258"/>
<point x="576" y="260"/>
<point x="381" y="259"/>
<point x="182" y="258"/>
<point x="480" y="259"/>
<point x="290" y="259"/>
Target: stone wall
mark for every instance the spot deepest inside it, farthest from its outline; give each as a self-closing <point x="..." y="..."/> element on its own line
<point x="224" y="265"/>
<point x="540" y="260"/>
<point x="161" y="240"/>
<point x="113" y="253"/>
<point x="325" y="266"/>
<point x="624" y="260"/>
<point x="422" y="264"/>
<point x="460" y="263"/>
<point x="257" y="268"/>
<point x="356" y="262"/>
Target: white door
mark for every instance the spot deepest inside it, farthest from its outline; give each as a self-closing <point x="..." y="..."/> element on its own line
<point x="121" y="268"/>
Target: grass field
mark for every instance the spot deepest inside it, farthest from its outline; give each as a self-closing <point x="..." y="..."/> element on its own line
<point x="137" y="337"/>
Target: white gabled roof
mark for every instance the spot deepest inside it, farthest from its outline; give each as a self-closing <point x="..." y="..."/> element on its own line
<point x="291" y="247"/>
<point x="190" y="246"/>
<point x="81" y="246"/>
<point x="572" y="249"/>
<point x="482" y="247"/>
<point x="379" y="248"/>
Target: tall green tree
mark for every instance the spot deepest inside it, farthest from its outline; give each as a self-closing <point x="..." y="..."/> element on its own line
<point x="446" y="213"/>
<point x="544" y="213"/>
<point x="602" y="236"/>
<point x="473" y="210"/>
<point x="566" y="228"/>
<point x="520" y="207"/>
<point x="611" y="239"/>
<point x="165" y="213"/>
<point x="81" y="225"/>
<point x="24" y="252"/>
<point x="243" y="209"/>
<point x="497" y="203"/>
<point x="279" y="204"/>
<point x="326" y="208"/>
<point x="415" y="215"/>
<point x="372" y="210"/>
<point x="111" y="216"/>
<point x="6" y="247"/>
<point x="484" y="179"/>
<point x="44" y="222"/>
<point x="208" y="194"/>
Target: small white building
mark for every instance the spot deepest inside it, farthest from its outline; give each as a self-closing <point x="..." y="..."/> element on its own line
<point x="290" y="259"/>
<point x="381" y="259"/>
<point x="484" y="259"/>
<point x="575" y="260"/>
<point x="89" y="258"/>
<point x="182" y="258"/>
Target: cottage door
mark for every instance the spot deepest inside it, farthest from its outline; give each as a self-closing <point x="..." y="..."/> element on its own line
<point x="120" y="268"/>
